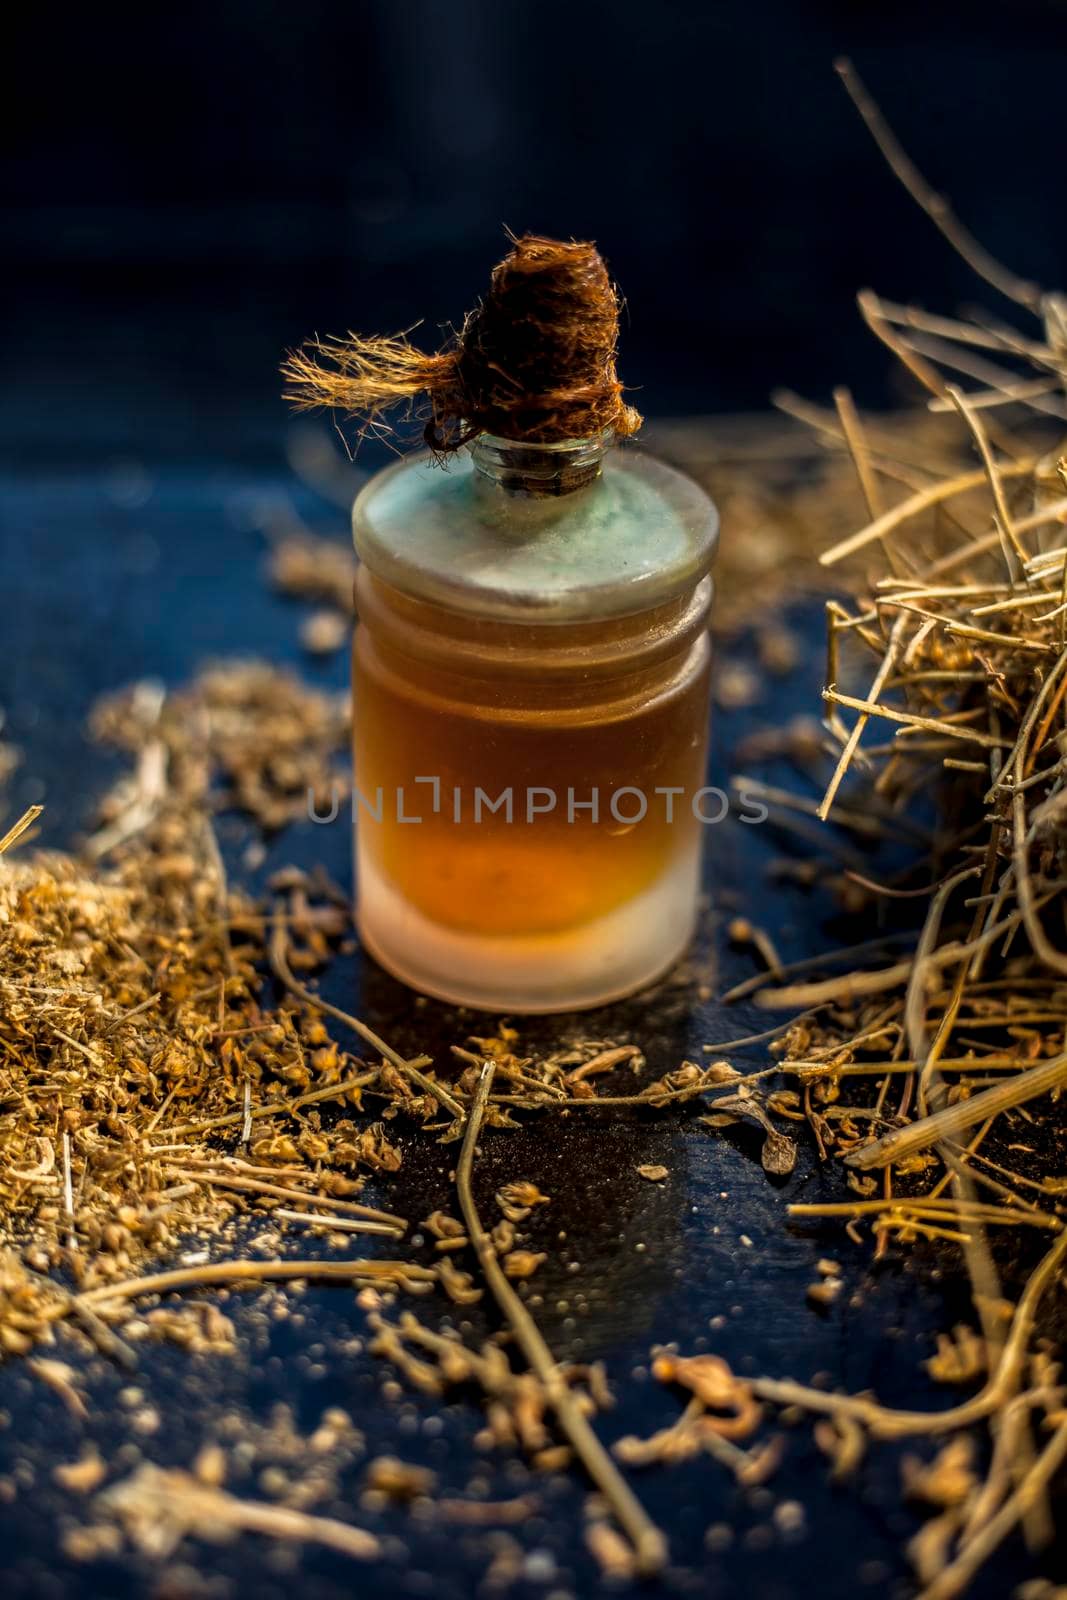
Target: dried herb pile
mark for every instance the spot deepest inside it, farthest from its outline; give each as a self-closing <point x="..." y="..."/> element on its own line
<point x="961" y="612"/>
<point x="937" y="1076"/>
<point x="146" y="1088"/>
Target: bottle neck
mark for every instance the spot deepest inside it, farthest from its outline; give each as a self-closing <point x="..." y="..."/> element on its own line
<point x="539" y="470"/>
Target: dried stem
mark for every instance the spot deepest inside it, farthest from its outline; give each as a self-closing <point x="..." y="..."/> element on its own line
<point x="650" y="1548"/>
<point x="935" y="205"/>
<point x="280" y="965"/>
<point x="955" y="1578"/>
<point x="27" y="819"/>
<point x="236" y="1272"/>
<point x="886" y="1423"/>
<point x="952" y="1120"/>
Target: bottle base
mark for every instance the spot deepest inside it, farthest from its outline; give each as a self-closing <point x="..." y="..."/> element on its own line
<point x="605" y="960"/>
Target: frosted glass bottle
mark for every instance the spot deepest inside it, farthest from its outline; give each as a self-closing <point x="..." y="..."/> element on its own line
<point x="531" y="670"/>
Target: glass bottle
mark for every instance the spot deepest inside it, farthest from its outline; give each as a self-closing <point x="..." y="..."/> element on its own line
<point x="531" y="670"/>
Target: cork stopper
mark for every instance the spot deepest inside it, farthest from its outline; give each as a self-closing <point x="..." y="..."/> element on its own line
<point x="534" y="361"/>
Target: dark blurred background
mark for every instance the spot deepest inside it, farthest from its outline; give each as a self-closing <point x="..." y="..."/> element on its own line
<point x="190" y="189"/>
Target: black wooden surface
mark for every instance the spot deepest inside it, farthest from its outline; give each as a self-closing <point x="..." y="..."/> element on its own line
<point x="125" y="573"/>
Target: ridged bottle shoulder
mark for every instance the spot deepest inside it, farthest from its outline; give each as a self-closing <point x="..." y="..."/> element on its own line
<point x="638" y="535"/>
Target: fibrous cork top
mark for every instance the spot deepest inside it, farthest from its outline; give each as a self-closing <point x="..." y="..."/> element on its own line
<point x="535" y="361"/>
